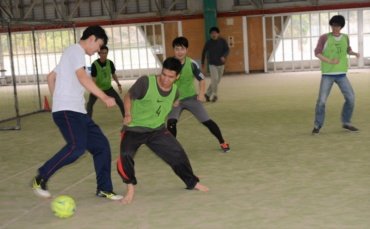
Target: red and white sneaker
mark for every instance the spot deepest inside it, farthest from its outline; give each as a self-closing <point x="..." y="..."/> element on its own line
<point x="225" y="147"/>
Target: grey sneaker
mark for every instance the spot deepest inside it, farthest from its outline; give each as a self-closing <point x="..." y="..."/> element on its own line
<point x="108" y="195"/>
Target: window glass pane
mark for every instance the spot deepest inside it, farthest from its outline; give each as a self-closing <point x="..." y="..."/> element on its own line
<point x="324" y="23"/>
<point x="297" y="49"/>
<point x="315" y="25"/>
<point x="366" y="26"/>
<point x="296" y="26"/>
<point x="279" y="52"/>
<point x="353" y="40"/>
<point x="287" y="50"/>
<point x="306" y="48"/>
<point x="269" y="28"/>
<point x="345" y="29"/>
<point x="287" y="27"/>
<point x="367" y="45"/>
<point x="4" y="44"/>
<point x="278" y="26"/>
<point x="352" y="22"/>
<point x="305" y="27"/>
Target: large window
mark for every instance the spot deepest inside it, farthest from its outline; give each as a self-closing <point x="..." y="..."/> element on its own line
<point x="291" y="39"/>
<point x="135" y="49"/>
<point x="366" y="33"/>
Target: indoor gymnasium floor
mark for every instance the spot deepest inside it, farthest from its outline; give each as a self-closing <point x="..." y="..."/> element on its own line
<point x="277" y="174"/>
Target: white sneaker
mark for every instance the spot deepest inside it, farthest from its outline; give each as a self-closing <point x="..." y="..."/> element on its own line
<point x="39" y="187"/>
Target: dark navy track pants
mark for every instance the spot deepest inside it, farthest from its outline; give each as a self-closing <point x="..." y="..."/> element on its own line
<point x="81" y="134"/>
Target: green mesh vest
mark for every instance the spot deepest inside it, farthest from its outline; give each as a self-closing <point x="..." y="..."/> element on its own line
<point x="185" y="83"/>
<point x="335" y="49"/>
<point x="152" y="110"/>
<point x="103" y="75"/>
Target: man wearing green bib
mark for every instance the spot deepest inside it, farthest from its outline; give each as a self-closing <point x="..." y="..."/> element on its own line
<point x="147" y="105"/>
<point x="102" y="72"/>
<point x="332" y="49"/>
<point x="189" y="99"/>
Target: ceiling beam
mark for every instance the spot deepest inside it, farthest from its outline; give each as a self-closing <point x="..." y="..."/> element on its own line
<point x="60" y="12"/>
<point x="314" y="2"/>
<point x="16" y="8"/>
<point x="257" y="3"/>
<point x="4" y="7"/>
<point x="159" y="8"/>
<point x="124" y="5"/>
<point x="109" y="9"/>
<point x="172" y="5"/>
<point x="73" y="11"/>
<point x="30" y="9"/>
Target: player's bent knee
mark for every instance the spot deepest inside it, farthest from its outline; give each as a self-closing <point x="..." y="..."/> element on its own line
<point x="208" y="123"/>
<point x="171" y="126"/>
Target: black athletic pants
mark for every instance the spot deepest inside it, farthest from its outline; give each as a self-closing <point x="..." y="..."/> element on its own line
<point x="110" y="92"/>
<point x="164" y="145"/>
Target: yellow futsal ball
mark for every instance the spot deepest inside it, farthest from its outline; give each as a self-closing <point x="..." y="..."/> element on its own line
<point x="63" y="206"/>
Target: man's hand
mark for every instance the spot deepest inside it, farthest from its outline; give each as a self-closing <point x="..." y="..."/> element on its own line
<point x="109" y="101"/>
<point x="120" y="88"/>
<point x="223" y="59"/>
<point x="176" y="103"/>
<point x="334" y="61"/>
<point x="127" y="119"/>
<point x="201" y="98"/>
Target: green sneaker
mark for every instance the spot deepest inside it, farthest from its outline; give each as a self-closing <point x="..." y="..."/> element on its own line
<point x="39" y="187"/>
<point x="108" y="195"/>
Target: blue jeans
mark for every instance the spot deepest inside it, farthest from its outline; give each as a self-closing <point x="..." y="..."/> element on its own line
<point x="81" y="134"/>
<point x="345" y="87"/>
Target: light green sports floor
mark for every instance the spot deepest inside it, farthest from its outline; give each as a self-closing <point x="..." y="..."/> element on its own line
<point x="277" y="175"/>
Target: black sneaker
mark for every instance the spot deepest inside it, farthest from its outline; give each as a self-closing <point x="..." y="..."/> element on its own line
<point x="108" y="195"/>
<point x="315" y="130"/>
<point x="350" y="127"/>
<point x="207" y="98"/>
<point x="214" y="99"/>
<point x="39" y="187"/>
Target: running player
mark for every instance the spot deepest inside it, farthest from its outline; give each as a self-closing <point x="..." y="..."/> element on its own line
<point x="102" y="72"/>
<point x="189" y="99"/>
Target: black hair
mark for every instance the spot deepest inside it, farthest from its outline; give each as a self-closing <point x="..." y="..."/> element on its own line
<point x="104" y="47"/>
<point x="337" y="20"/>
<point x="173" y="64"/>
<point x="180" y="41"/>
<point x="97" y="31"/>
<point x="214" y="29"/>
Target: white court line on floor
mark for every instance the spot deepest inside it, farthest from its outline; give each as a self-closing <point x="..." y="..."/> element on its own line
<point x="19" y="173"/>
<point x="15" y="219"/>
